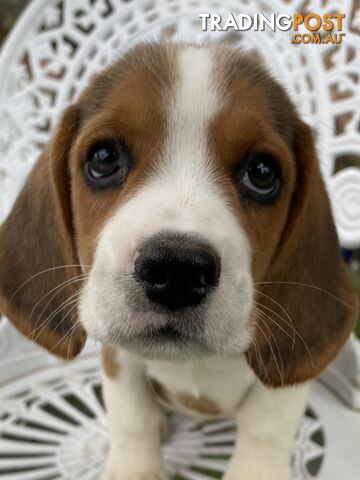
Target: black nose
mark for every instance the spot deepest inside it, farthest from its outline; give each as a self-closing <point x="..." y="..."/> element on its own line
<point x="177" y="272"/>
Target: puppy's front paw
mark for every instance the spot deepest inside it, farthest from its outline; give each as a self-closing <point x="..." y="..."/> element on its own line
<point x="133" y="476"/>
<point x="116" y="470"/>
<point x="250" y="471"/>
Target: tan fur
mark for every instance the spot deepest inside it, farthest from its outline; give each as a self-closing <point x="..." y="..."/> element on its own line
<point x="160" y="392"/>
<point x="110" y="362"/>
<point x="201" y="405"/>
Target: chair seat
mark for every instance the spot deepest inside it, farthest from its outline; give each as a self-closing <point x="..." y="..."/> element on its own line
<point x="53" y="424"/>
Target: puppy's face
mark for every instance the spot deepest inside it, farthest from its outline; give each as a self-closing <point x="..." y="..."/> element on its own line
<point x="186" y="188"/>
<point x="189" y="179"/>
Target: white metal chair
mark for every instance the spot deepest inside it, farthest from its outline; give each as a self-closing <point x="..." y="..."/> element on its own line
<point x="52" y="423"/>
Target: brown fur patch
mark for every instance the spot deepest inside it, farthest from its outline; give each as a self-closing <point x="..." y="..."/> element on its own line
<point x="39" y="271"/>
<point x="110" y="362"/>
<point x="200" y="404"/>
<point x="160" y="392"/>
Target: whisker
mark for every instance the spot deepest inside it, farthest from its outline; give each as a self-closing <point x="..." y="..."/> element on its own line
<point x="280" y="360"/>
<point x="278" y="305"/>
<point x="42" y="273"/>
<point x="74" y="305"/>
<point x="63" y="337"/>
<point x="296" y="332"/>
<point x="69" y="301"/>
<point x="292" y="337"/>
<point x="58" y="289"/>
<point x="306" y="285"/>
<point x="71" y="338"/>
<point x="43" y="326"/>
<point x="259" y="358"/>
<point x="76" y="323"/>
<point x="272" y="352"/>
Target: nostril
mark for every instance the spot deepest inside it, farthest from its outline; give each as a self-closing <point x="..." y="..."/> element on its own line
<point x="202" y="280"/>
<point x="151" y="271"/>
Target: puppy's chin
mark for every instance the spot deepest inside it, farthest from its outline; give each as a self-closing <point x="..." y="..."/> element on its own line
<point x="166" y="350"/>
<point x="163" y="343"/>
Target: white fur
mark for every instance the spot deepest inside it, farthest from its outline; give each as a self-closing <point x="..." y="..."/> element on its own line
<point x="267" y="421"/>
<point x="134" y="425"/>
<point x="223" y="380"/>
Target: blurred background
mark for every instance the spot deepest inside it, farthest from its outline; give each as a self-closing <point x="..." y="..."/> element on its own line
<point x="9" y="11"/>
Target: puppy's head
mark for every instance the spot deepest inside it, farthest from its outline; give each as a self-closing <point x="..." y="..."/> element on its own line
<point x="179" y="211"/>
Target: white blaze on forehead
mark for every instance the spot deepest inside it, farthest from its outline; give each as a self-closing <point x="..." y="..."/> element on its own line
<point x="196" y="98"/>
<point x="194" y="104"/>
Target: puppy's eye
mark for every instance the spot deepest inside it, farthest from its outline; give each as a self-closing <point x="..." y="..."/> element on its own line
<point x="262" y="177"/>
<point x="104" y="161"/>
<point x="107" y="164"/>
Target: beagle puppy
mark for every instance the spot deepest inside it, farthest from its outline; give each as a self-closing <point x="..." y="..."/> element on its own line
<point x="179" y="217"/>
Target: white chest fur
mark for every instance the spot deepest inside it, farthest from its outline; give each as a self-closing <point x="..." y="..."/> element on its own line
<point x="222" y="381"/>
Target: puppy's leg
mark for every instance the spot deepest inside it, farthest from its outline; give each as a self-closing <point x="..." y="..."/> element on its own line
<point x="267" y="422"/>
<point x="134" y="421"/>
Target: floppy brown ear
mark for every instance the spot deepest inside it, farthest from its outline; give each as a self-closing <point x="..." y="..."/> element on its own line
<point x="36" y="249"/>
<point x="308" y="299"/>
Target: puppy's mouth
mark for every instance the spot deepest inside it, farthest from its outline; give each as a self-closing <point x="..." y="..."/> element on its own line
<point x="177" y="336"/>
<point x="167" y="333"/>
